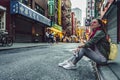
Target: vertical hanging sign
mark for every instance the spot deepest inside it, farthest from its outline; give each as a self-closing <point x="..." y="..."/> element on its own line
<point x="51" y="7"/>
<point x="59" y="12"/>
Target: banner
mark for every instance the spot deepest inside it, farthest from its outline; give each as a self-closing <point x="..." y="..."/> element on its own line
<point x="51" y="7"/>
<point x="59" y="12"/>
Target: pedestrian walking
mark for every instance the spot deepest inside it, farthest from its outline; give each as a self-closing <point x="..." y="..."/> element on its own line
<point x="51" y="37"/>
<point x="57" y="38"/>
<point x="47" y="35"/>
<point x="96" y="48"/>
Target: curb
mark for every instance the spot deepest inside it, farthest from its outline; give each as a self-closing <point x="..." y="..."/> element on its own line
<point x="19" y="47"/>
<point x="103" y="72"/>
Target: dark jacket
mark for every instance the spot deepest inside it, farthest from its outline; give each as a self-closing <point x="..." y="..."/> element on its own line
<point x="99" y="39"/>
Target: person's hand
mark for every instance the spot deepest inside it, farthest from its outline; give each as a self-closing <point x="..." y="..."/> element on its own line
<point x="76" y="51"/>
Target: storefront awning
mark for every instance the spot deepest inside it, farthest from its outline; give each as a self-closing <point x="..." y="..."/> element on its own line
<point x="17" y="7"/>
<point x="55" y="30"/>
<point x="2" y="8"/>
<point x="57" y="27"/>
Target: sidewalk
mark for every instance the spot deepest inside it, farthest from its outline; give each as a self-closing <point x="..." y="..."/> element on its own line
<point x="112" y="70"/>
<point x="22" y="45"/>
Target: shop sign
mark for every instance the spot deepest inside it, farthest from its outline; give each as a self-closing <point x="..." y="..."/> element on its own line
<point x="59" y="12"/>
<point x="51" y="7"/>
<point x="19" y="8"/>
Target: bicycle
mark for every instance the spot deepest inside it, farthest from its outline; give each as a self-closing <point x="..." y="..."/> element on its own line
<point x="5" y="39"/>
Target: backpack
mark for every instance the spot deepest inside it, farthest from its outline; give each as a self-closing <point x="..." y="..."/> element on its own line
<point x="113" y="50"/>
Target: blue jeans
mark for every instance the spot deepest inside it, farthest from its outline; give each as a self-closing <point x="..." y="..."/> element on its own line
<point x="93" y="55"/>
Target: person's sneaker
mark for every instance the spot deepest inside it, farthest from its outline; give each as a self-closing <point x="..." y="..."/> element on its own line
<point x="70" y="65"/>
<point x="63" y="63"/>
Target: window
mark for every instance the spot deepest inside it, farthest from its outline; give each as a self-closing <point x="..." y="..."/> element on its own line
<point x="20" y="1"/>
<point x="39" y="9"/>
<point x="26" y="2"/>
<point x="30" y="3"/>
<point x="88" y="11"/>
<point x="2" y="21"/>
<point x="103" y="8"/>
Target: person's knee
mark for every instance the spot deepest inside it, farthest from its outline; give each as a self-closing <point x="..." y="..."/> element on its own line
<point x="82" y="51"/>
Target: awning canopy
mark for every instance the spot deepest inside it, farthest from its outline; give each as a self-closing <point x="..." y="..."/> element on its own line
<point x="53" y="29"/>
<point x="57" y="27"/>
<point x="17" y="7"/>
<point x="2" y="8"/>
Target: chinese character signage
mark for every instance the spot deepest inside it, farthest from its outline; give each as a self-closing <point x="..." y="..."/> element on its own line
<point x="19" y="8"/>
<point x="51" y="7"/>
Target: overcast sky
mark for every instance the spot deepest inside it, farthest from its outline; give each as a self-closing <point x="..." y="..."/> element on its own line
<point x="80" y="4"/>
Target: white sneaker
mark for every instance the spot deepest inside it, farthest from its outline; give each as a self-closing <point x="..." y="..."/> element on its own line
<point x="63" y="63"/>
<point x="69" y="65"/>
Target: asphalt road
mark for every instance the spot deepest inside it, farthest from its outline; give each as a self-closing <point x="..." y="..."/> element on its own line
<point x="41" y="63"/>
